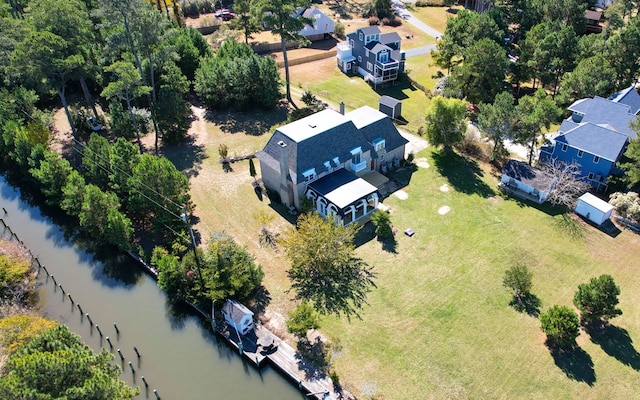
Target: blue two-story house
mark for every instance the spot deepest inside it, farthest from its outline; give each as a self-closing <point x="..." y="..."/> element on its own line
<point x="375" y="56"/>
<point x="595" y="136"/>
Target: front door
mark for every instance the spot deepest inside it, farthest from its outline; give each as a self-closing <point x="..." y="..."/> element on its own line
<point x="373" y="164"/>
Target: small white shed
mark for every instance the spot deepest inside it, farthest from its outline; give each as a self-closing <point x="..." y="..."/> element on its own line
<point x="594" y="209"/>
<point x="238" y="316"/>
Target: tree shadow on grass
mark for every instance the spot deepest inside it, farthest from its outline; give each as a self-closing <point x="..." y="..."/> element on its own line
<point x="255" y="123"/>
<point x="528" y="303"/>
<point x="616" y="342"/>
<point x="390" y="245"/>
<point x="575" y="363"/>
<point x="313" y="358"/>
<point x="463" y="174"/>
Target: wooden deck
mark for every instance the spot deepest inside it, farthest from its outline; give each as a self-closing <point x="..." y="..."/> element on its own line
<point x="285" y="358"/>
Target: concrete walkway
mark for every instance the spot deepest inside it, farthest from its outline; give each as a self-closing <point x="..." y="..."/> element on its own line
<point x="401" y="10"/>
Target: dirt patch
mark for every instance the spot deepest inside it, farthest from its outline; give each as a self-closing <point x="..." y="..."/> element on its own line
<point x="494" y="200"/>
<point x="422" y="163"/>
<point x="13" y="250"/>
<point x="401" y="194"/>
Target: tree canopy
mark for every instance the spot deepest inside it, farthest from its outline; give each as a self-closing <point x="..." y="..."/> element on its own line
<point x="444" y="122"/>
<point x="324" y="269"/>
<point x="561" y="324"/>
<point x="597" y="300"/>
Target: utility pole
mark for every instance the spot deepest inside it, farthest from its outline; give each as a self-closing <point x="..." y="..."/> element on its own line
<point x="186" y="219"/>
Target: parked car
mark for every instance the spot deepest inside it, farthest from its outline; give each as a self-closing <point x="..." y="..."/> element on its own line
<point x="225" y="15"/>
<point x="94" y="124"/>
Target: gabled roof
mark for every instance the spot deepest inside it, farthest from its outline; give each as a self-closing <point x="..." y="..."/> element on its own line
<point x="378" y="47"/>
<point x="596" y="202"/>
<point x="390" y="37"/>
<point x="389" y="101"/>
<point x="235" y="310"/>
<point x="617" y="115"/>
<point x="375" y="124"/>
<point x="567" y="125"/>
<point x="370" y="30"/>
<point x="525" y="173"/>
<point x="342" y="188"/>
<point x="628" y="96"/>
<point x="580" y="106"/>
<point x="596" y="140"/>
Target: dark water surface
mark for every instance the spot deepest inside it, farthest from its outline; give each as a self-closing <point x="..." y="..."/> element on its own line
<point x="180" y="357"/>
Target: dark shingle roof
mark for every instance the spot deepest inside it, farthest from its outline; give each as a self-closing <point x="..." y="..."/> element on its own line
<point x="390" y="37"/>
<point x="375" y="124"/>
<point x="235" y="310"/>
<point x="370" y="30"/>
<point x="525" y="173"/>
<point x="605" y="112"/>
<point x="596" y="140"/>
<point x="342" y="188"/>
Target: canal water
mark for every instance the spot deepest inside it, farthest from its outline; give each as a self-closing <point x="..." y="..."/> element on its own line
<point x="180" y="356"/>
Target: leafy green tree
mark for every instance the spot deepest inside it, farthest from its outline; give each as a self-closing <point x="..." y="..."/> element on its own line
<point x="47" y="61"/>
<point x="282" y="17"/>
<point x="56" y="364"/>
<point x="122" y="157"/>
<point x="444" y="122"/>
<point x="592" y="77"/>
<point x="531" y="114"/>
<point x="100" y="217"/>
<point x="561" y="325"/>
<point x="237" y="77"/>
<point x="324" y="269"/>
<point x="246" y="20"/>
<point x="564" y="12"/>
<point x="52" y="174"/>
<point x="172" y="274"/>
<point x="18" y="330"/>
<point x="126" y="86"/>
<point x="519" y="279"/>
<point x="382" y="221"/>
<point x="73" y="194"/>
<point x="496" y="122"/>
<point x="157" y="193"/>
<point x="228" y="270"/>
<point x="482" y="75"/>
<point x="624" y="48"/>
<point x="191" y="48"/>
<point x="303" y="318"/>
<point x="95" y="160"/>
<point x="597" y="300"/>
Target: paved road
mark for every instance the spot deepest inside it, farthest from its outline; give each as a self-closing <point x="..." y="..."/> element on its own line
<point x="402" y="11"/>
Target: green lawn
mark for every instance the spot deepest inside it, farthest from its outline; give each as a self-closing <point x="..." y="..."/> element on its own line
<point x="435" y="17"/>
<point x="439" y="324"/>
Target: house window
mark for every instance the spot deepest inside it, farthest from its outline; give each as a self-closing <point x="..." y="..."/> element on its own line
<point x="327" y="165"/>
<point x="359" y="59"/>
<point x="596" y="159"/>
<point x="564" y="147"/>
<point x="378" y="144"/>
<point x="590" y="175"/>
<point x="348" y="66"/>
<point x="356" y="156"/>
<point x="369" y="66"/>
<point x="309" y="175"/>
<point x="322" y="207"/>
<point x="351" y="42"/>
<point x="384" y="57"/>
<point x="367" y="53"/>
<point x="580" y="153"/>
<point x="360" y="36"/>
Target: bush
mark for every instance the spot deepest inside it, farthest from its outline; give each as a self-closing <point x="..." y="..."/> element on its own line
<point x="393" y="21"/>
<point x="626" y="204"/>
<point x="429" y="3"/>
<point x="373" y="21"/>
<point x="382" y="222"/>
<point x="561" y="325"/>
<point x="598" y="299"/>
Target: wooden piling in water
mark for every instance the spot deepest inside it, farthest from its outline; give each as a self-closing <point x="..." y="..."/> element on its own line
<point x="120" y="354"/>
<point x="88" y="317"/>
<point x="144" y="381"/>
<point x="71" y="299"/>
<point x="156" y="393"/>
<point x="116" y="326"/>
<point x="98" y="329"/>
<point x="131" y="366"/>
<point x="109" y="341"/>
<point x="136" y="350"/>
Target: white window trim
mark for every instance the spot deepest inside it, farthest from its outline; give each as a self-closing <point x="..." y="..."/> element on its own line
<point x="367" y="53"/>
<point x="309" y="175"/>
<point x="369" y="66"/>
<point x="596" y="159"/>
<point x="379" y="144"/>
<point x="336" y="161"/>
<point x="591" y="175"/>
<point x="564" y="147"/>
<point x="580" y="153"/>
<point x="327" y="165"/>
<point x="359" y="59"/>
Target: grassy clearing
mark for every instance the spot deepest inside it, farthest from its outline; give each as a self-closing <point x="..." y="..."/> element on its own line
<point x="435" y="17"/>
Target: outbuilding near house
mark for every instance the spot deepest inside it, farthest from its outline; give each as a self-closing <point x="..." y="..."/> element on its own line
<point x="594" y="209"/>
<point x="238" y="316"/>
<point x="390" y="106"/>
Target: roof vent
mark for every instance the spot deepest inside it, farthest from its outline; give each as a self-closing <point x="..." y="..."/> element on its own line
<point x="282" y="144"/>
<point x="312" y="125"/>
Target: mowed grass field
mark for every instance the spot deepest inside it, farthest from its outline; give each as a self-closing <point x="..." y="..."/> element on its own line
<point x="439" y="324"/>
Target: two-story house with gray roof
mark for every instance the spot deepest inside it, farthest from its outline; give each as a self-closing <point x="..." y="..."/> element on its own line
<point x="596" y="135"/>
<point x="375" y="56"/>
<point x="324" y="156"/>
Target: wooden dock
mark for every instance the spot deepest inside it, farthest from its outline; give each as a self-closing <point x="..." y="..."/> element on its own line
<point x="285" y="358"/>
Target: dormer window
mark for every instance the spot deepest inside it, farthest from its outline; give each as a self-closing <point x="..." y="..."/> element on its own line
<point x="378" y="144"/>
<point x="310" y="175"/>
<point x="327" y="165"/>
<point x="383" y="57"/>
<point x="336" y="161"/>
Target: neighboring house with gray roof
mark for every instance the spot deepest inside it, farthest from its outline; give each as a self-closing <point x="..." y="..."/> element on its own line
<point x="375" y="56"/>
<point x="596" y="135"/>
<point x="324" y="156"/>
<point x="238" y="316"/>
